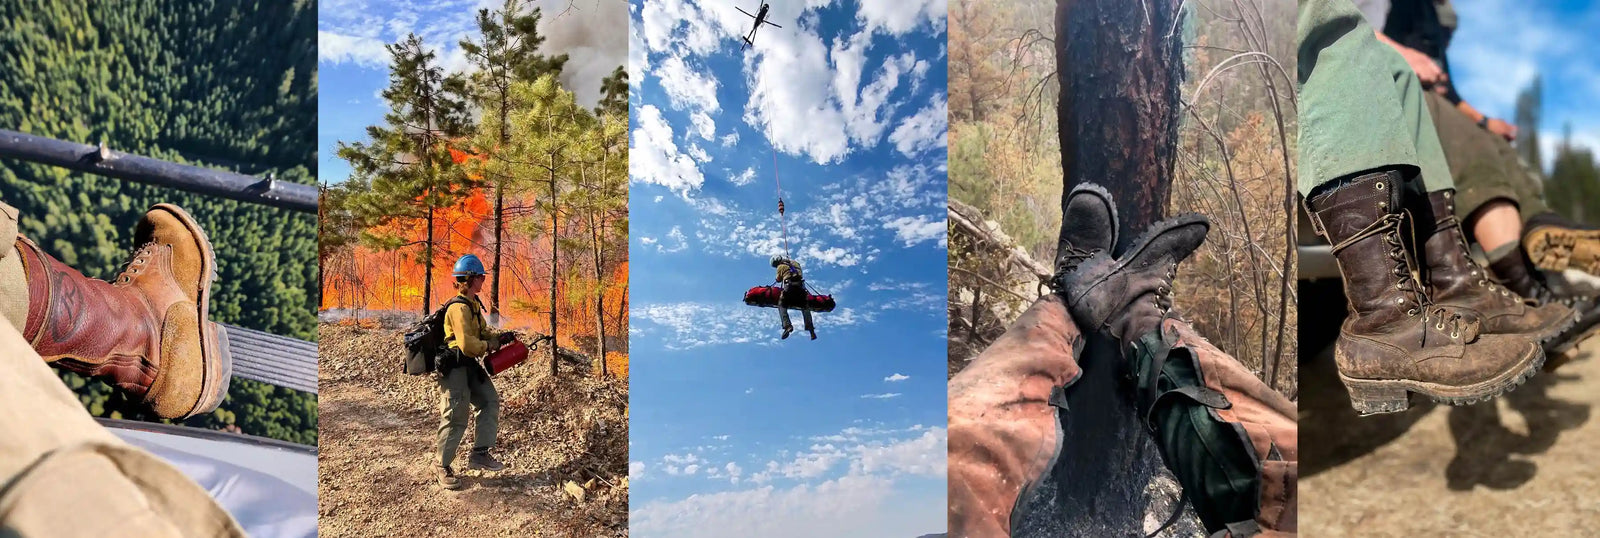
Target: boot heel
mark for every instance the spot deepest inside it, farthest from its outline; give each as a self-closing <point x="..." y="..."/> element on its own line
<point x="1374" y="398"/>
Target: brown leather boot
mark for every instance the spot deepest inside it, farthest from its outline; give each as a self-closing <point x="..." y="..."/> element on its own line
<point x="1454" y="279"/>
<point x="1396" y="340"/>
<point x="145" y="332"/>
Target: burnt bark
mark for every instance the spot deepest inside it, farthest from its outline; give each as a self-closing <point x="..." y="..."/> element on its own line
<point x="1120" y="66"/>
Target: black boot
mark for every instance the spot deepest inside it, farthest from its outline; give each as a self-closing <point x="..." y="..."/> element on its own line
<point x="480" y="459"/>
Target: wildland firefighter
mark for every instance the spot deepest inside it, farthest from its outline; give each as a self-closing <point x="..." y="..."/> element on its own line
<point x="794" y="294"/>
<point x="462" y="378"/>
<point x="1229" y="439"/>
<point x="146" y="333"/>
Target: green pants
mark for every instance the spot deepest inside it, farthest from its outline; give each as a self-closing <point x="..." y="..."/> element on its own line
<point x="1361" y="107"/>
<point x="1486" y="167"/>
<point x="466" y="384"/>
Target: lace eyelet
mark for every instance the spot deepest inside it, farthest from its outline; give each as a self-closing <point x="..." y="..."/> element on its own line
<point x="1413" y="312"/>
<point x="1455" y="333"/>
<point x="1378" y="185"/>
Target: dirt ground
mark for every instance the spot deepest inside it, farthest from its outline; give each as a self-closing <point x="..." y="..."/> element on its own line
<point x="558" y="438"/>
<point x="1526" y="464"/>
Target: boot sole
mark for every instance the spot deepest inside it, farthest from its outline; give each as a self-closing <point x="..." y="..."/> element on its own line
<point x="1105" y="195"/>
<point x="476" y="467"/>
<point x="1555" y="249"/>
<point x="218" y="365"/>
<point x="1375" y="396"/>
<point x="1573" y="341"/>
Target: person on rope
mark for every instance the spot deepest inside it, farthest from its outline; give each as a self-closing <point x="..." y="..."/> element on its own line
<point x="794" y="294"/>
<point x="462" y="379"/>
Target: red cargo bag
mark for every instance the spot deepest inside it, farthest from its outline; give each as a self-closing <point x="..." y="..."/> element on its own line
<point x="772" y="297"/>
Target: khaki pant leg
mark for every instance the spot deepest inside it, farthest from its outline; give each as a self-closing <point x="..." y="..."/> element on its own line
<point x="62" y="474"/>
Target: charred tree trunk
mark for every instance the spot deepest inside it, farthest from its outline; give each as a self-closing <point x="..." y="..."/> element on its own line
<point x="555" y="257"/>
<point x="427" y="266"/>
<point x="494" y="274"/>
<point x="1119" y="65"/>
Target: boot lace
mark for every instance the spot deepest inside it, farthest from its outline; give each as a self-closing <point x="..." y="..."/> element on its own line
<point x="140" y="257"/>
<point x="1416" y="301"/>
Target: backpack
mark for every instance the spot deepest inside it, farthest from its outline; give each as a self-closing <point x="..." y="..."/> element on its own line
<point x="425" y="341"/>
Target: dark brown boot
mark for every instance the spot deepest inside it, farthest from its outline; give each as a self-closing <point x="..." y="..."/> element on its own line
<point x="1125" y="298"/>
<point x="1454" y="279"/>
<point x="1556" y="244"/>
<point x="146" y="332"/>
<point x="1396" y="340"/>
<point x="1517" y="273"/>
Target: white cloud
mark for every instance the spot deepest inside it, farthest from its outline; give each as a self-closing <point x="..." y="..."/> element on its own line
<point x="698" y="154"/>
<point x="743" y="178"/>
<point x="883" y="396"/>
<point x="675" y="235"/>
<point x="691" y="469"/>
<point x="635" y="470"/>
<point x="860" y="502"/>
<point x="703" y="125"/>
<point x="654" y="157"/>
<point x="366" y="52"/>
<point x="896" y="377"/>
<point x="720" y="437"/>
<point x="923" y="131"/>
<point x="914" y="230"/>
<point x="647" y="240"/>
<point x="688" y="87"/>
<point x="730" y="139"/>
<point x="355" y="30"/>
<point x="924" y="455"/>
<point x="900" y="16"/>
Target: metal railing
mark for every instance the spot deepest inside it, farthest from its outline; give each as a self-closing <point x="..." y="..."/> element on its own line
<point x="110" y="163"/>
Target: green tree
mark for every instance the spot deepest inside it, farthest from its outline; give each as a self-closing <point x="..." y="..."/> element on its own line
<point x="1527" y="118"/>
<point x="507" y="52"/>
<point x="1574" y="187"/>
<point x="546" y="145"/>
<point x="405" y="173"/>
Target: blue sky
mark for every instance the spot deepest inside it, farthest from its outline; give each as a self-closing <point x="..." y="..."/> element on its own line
<point x="353" y="65"/>
<point x="1501" y="45"/>
<point x="734" y="432"/>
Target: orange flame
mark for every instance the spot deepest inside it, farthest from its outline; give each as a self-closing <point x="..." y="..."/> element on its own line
<point x="367" y="279"/>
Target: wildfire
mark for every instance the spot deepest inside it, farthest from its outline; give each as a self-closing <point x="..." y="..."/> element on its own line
<point x="367" y="279"/>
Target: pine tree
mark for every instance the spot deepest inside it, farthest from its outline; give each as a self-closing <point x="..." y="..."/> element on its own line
<point x="405" y="173"/>
<point x="507" y="53"/>
<point x="1527" y="117"/>
<point x="547" y="131"/>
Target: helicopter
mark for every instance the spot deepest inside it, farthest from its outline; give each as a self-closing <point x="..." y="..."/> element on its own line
<point x="761" y="18"/>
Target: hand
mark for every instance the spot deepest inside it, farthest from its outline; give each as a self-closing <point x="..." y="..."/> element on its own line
<point x="1427" y="70"/>
<point x="1500" y="127"/>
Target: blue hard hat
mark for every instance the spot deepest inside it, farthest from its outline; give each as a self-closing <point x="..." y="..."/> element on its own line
<point x="469" y="265"/>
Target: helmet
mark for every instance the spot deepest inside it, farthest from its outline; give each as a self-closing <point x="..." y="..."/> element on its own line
<point x="777" y="260"/>
<point x="469" y="265"/>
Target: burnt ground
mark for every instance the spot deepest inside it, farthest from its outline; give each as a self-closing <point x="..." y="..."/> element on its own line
<point x="560" y="438"/>
<point x="1524" y="464"/>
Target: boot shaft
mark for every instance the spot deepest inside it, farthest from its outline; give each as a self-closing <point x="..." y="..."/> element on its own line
<point x="1362" y="219"/>
<point x="62" y="328"/>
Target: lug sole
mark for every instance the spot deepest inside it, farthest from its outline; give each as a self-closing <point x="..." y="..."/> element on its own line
<point x="1555" y="249"/>
<point x="1376" y="396"/>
